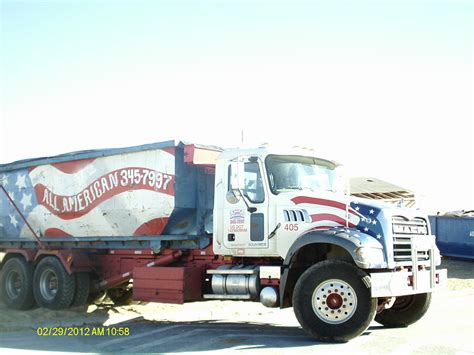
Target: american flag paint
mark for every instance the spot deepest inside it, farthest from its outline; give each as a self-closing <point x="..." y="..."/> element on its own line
<point x="370" y="222"/>
<point x="123" y="194"/>
<point x="327" y="213"/>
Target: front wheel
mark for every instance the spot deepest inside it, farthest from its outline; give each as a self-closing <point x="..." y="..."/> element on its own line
<point x="405" y="311"/>
<point x="332" y="302"/>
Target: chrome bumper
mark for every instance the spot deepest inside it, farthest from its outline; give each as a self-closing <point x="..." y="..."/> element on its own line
<point x="404" y="282"/>
<point x="392" y="284"/>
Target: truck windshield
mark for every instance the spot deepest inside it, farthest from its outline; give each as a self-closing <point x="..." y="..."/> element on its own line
<point x="292" y="172"/>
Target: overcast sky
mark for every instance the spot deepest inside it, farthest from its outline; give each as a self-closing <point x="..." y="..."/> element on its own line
<point x="384" y="86"/>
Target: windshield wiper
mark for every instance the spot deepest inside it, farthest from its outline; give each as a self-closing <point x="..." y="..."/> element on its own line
<point x="286" y="188"/>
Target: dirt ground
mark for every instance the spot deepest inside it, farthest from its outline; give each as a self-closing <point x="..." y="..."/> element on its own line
<point x="460" y="274"/>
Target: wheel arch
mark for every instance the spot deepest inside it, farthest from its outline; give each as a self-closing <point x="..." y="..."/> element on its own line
<point x="310" y="249"/>
<point x="26" y="254"/>
<point x="72" y="260"/>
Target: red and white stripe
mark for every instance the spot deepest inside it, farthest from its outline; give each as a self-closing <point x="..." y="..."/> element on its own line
<point x="326" y="213"/>
<point x="137" y="209"/>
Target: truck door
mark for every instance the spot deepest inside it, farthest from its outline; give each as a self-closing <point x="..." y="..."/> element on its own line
<point x="246" y="211"/>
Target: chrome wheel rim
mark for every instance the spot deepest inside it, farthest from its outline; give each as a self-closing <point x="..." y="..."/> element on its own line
<point x="334" y="301"/>
<point x="48" y="284"/>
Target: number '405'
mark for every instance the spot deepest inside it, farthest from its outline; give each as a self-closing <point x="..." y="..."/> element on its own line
<point x="292" y="227"/>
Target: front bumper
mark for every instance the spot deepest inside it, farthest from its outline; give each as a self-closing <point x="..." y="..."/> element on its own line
<point x="393" y="284"/>
<point x="416" y="276"/>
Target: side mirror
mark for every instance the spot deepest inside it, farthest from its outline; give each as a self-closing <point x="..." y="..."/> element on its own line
<point x="237" y="184"/>
<point x="232" y="197"/>
<point x="237" y="176"/>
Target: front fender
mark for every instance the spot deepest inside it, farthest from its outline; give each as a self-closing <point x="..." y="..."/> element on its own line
<point x="348" y="239"/>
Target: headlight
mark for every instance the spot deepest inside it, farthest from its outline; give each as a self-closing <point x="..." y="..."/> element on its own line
<point x="370" y="256"/>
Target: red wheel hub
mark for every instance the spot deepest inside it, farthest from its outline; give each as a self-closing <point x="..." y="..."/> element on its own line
<point x="334" y="301"/>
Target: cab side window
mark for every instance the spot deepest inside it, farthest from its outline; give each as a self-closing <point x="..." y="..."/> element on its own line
<point x="253" y="182"/>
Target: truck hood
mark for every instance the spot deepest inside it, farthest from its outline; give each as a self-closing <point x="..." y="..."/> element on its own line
<point x="312" y="197"/>
<point x="326" y="209"/>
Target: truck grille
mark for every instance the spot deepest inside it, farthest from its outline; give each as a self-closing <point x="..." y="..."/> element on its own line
<point x="404" y="231"/>
<point x="402" y="225"/>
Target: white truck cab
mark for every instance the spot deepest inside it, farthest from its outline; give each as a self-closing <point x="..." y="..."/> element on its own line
<point x="338" y="260"/>
<point x="259" y="195"/>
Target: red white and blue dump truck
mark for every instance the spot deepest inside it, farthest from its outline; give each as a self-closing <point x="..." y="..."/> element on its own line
<point x="175" y="222"/>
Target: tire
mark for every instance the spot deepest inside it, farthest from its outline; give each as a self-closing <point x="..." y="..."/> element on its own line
<point x="120" y="296"/>
<point x="16" y="284"/>
<point x="332" y="302"/>
<point x="405" y="311"/>
<point x="53" y="287"/>
<point x="81" y="293"/>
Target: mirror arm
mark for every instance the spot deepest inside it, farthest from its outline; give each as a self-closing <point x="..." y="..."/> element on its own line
<point x="249" y="209"/>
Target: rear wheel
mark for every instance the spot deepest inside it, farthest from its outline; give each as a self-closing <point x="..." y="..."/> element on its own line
<point x="16" y="284"/>
<point x="53" y="287"/>
<point x="332" y="302"/>
<point x="81" y="293"/>
<point x="405" y="311"/>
